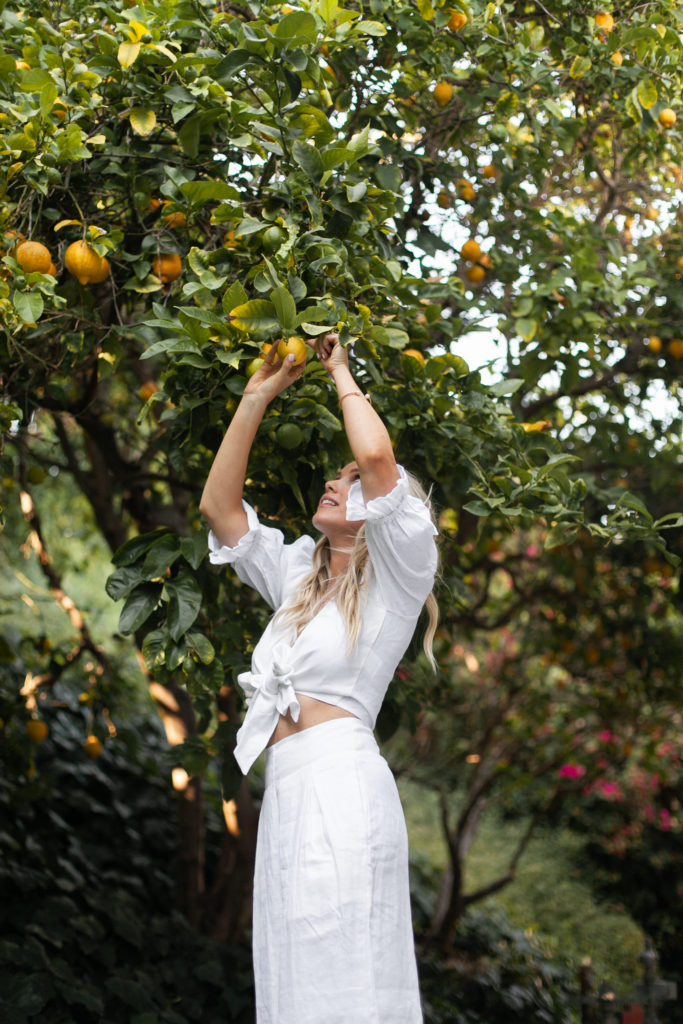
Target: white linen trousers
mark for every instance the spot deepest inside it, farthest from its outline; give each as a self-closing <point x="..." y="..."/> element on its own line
<point x="332" y="929"/>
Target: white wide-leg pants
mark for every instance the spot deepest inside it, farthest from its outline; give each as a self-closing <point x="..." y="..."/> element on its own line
<point x="332" y="930"/>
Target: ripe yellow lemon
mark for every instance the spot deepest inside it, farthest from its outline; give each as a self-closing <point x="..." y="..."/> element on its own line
<point x="651" y="213"/>
<point x="457" y="21"/>
<point x="654" y="343"/>
<point x="92" y="747"/>
<point x="443" y="93"/>
<point x="475" y="274"/>
<point x="414" y="353"/>
<point x="293" y="346"/>
<point x="471" y="251"/>
<point x="604" y="21"/>
<point x="617" y="58"/>
<point x="490" y="171"/>
<point x="21" y="65"/>
<point x="176" y="219"/>
<point x="84" y="263"/>
<point x="34" y="257"/>
<point x="675" y="348"/>
<point x="667" y="117"/>
<point x="167" y="267"/>
<point x="36" y="730"/>
<point x="466" y="191"/>
<point x="444" y="199"/>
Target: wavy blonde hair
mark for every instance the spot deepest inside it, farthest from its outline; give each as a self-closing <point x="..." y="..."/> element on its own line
<point x="351" y="587"/>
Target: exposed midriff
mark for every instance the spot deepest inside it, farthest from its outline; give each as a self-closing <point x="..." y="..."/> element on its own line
<point x="313" y="712"/>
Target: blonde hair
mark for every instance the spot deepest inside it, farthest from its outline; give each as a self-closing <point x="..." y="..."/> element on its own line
<point x="351" y="588"/>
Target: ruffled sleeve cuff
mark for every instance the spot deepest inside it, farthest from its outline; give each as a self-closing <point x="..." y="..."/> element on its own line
<point x="377" y="508"/>
<point x="221" y="554"/>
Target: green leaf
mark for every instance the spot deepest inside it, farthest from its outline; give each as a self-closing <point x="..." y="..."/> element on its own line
<point x="477" y="508"/>
<point x="370" y="28"/>
<point x="298" y="26"/>
<point x="139" y="606"/>
<point x="506" y="104"/>
<point x="354" y="193"/>
<point x="647" y="93"/>
<point x="389" y="177"/>
<point x="285" y="307"/>
<point x="201" y="646"/>
<point x="202" y="191"/>
<point x="309" y="159"/>
<point x="194" y="548"/>
<point x="234" y="62"/>
<point x="143" y="121"/>
<point x="48" y="95"/>
<point x="632" y="105"/>
<point x="153" y="647"/>
<point x="128" y="54"/>
<point x="234" y="296"/>
<point x="255" y="315"/>
<point x="328" y="10"/>
<point x="120" y="583"/>
<point x="185" y="600"/>
<point x="580" y="65"/>
<point x="506" y="387"/>
<point x="29" y="306"/>
<point x="526" y="328"/>
<point x="134" y="548"/>
<point x="161" y="556"/>
<point x="561" y="533"/>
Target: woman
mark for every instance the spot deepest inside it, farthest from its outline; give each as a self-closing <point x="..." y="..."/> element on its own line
<point x="332" y="930"/>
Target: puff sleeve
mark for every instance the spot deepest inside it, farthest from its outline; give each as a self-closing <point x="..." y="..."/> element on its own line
<point x="263" y="560"/>
<point x="400" y="536"/>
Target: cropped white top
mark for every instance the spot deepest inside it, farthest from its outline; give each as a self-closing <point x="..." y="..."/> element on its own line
<point x="400" y="538"/>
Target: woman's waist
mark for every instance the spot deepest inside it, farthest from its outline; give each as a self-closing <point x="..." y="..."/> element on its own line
<point x="344" y="738"/>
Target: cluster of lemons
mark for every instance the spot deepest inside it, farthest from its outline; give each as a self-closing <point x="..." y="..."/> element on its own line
<point x="80" y="259"/>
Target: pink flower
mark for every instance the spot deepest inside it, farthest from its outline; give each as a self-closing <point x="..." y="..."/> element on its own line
<point x="608" y="789"/>
<point x="571" y="771"/>
<point x="532" y="551"/>
<point x="606" y="736"/>
<point x="664" y="819"/>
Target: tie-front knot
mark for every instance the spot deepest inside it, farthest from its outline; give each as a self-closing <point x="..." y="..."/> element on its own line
<point x="269" y="693"/>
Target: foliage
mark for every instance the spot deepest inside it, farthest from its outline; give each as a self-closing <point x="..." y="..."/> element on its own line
<point x="499" y="974"/>
<point x="89" y="930"/>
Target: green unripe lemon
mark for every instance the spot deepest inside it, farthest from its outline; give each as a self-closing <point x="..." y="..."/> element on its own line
<point x="253" y="366"/>
<point x="289" y="435"/>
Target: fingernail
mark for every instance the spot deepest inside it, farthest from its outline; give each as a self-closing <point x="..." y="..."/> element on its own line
<point x="290" y="357"/>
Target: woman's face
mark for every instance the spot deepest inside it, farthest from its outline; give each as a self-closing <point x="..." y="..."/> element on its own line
<point x="330" y="516"/>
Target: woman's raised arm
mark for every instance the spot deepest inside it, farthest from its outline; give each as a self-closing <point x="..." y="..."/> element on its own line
<point x="366" y="433"/>
<point x="221" y="501"/>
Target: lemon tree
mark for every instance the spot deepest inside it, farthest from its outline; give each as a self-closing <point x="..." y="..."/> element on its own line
<point x="209" y="179"/>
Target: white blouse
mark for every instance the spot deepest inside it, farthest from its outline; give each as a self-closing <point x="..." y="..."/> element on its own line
<point x="400" y="537"/>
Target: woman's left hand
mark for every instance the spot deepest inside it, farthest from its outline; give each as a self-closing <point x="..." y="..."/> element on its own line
<point x="331" y="352"/>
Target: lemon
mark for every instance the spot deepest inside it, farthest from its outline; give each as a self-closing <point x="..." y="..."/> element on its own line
<point x="34" y="257"/>
<point x="167" y="267"/>
<point x="36" y="730"/>
<point x="289" y="435"/>
<point x="92" y="747"/>
<point x="293" y="346"/>
<point x="471" y="251"/>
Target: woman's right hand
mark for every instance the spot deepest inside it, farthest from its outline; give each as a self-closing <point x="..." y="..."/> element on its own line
<point x="272" y="376"/>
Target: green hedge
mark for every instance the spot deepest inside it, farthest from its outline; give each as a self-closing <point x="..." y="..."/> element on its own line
<point x="88" y="928"/>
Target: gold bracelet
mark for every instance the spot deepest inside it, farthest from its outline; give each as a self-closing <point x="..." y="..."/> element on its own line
<point x="348" y="393"/>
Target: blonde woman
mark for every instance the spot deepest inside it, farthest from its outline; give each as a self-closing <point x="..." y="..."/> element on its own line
<point x="332" y="932"/>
